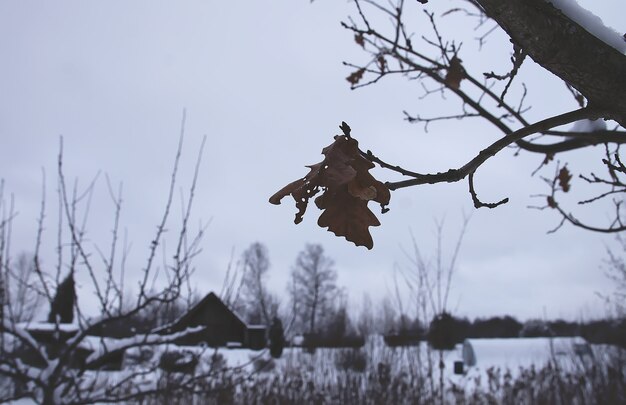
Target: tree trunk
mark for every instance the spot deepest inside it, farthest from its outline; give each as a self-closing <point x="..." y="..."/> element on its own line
<point x="595" y="69"/>
<point x="48" y="396"/>
<point x="313" y="311"/>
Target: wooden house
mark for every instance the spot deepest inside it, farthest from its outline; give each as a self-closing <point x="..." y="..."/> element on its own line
<point x="223" y="327"/>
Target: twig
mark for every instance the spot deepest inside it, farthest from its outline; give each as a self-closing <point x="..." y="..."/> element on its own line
<point x="454" y="175"/>
<point x="477" y="202"/>
<point x="168" y="204"/>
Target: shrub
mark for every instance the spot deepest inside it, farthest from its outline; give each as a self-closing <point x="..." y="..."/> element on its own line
<point x="263" y="364"/>
<point x="352" y="359"/>
<point x="277" y="338"/>
<point x="218" y="362"/>
<point x="446" y="331"/>
<point x="178" y="361"/>
<point x="535" y="328"/>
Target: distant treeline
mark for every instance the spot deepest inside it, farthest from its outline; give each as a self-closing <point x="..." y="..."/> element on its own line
<point x="445" y="330"/>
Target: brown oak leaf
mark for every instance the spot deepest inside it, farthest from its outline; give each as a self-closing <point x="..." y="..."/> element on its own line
<point x="347" y="186"/>
<point x="382" y="63"/>
<point x="364" y="193"/>
<point x="564" y="178"/>
<point x="359" y="39"/>
<point x="346" y="215"/>
<point x="355" y="77"/>
<point x="455" y="73"/>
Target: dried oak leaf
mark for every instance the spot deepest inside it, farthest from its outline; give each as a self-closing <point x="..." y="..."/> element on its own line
<point x="355" y="77"/>
<point x="359" y="39"/>
<point x="382" y="63"/>
<point x="347" y="187"/>
<point x="455" y="73"/>
<point x="564" y="178"/>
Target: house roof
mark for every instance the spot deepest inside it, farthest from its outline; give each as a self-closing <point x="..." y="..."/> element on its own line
<point x="209" y="298"/>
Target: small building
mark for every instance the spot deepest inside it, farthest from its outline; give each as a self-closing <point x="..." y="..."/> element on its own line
<point x="223" y="327"/>
<point x="513" y="353"/>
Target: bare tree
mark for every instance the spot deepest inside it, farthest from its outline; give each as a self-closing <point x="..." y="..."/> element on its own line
<point x="313" y="286"/>
<point x="430" y="280"/>
<point x="66" y="366"/>
<point x="232" y="284"/>
<point x="386" y="316"/>
<point x="616" y="272"/>
<point x="23" y="290"/>
<point x="261" y="305"/>
<point x="337" y="322"/>
<point x="396" y="42"/>
<point x="162" y="314"/>
<point x="366" y="323"/>
<point x="537" y="29"/>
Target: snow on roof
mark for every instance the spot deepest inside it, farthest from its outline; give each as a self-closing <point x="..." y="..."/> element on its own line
<point x="592" y="23"/>
<point x="48" y="327"/>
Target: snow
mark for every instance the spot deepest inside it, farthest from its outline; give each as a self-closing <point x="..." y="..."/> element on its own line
<point x="49" y="327"/>
<point x="233" y="358"/>
<point x="22" y="335"/>
<point x="22" y="401"/>
<point x="101" y="346"/>
<point x="321" y="366"/>
<point x="514" y="353"/>
<point x="298" y="340"/>
<point x="240" y="357"/>
<point x="592" y="23"/>
<point x="502" y="354"/>
<point x="589" y="126"/>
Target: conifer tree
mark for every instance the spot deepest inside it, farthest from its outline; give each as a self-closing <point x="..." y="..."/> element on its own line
<point x="62" y="306"/>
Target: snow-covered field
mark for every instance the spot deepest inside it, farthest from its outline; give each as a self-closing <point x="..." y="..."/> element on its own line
<point x="491" y="357"/>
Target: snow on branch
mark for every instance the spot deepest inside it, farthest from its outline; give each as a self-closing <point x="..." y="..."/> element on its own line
<point x="592" y="23"/>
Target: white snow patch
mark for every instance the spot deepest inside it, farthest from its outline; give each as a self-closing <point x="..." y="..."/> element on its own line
<point x="22" y="401"/>
<point x="513" y="353"/>
<point x="589" y="126"/>
<point x="21" y="336"/>
<point x="48" y="327"/>
<point x="241" y="359"/>
<point x="592" y="23"/>
<point x="102" y="346"/>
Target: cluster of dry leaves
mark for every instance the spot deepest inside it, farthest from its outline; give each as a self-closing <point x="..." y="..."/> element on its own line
<point x="343" y="176"/>
<point x="455" y="72"/>
<point x="347" y="186"/>
<point x="564" y="179"/>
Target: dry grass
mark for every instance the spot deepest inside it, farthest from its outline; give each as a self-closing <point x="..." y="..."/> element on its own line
<point x="388" y="378"/>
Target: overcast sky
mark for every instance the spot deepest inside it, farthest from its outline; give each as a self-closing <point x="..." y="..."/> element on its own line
<point x="264" y="81"/>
